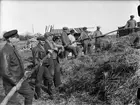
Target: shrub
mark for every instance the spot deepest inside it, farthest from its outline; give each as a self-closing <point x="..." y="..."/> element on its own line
<point x="106" y="76"/>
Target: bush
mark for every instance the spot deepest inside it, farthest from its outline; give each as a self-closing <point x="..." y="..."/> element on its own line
<point x="107" y="77"/>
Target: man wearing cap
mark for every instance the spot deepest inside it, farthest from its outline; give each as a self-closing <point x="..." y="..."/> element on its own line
<point x="72" y="39"/>
<point x="131" y="24"/>
<point x="52" y="48"/>
<point x="12" y="70"/>
<point x="42" y="73"/>
<point x="66" y="42"/>
<point x="96" y="34"/>
<point x="84" y="36"/>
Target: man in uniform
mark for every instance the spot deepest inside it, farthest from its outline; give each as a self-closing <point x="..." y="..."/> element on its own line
<point x="66" y="42"/>
<point x="131" y="24"/>
<point x="96" y="34"/>
<point x="86" y="42"/>
<point x="72" y="39"/>
<point x="51" y="46"/>
<point x="42" y="74"/>
<point x="12" y="70"/>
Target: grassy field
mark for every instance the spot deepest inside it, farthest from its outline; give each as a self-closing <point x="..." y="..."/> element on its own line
<point x="80" y="75"/>
<point x="25" y="54"/>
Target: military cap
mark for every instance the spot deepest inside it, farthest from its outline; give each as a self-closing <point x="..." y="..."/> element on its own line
<point x="65" y="28"/>
<point x="47" y="34"/>
<point x="11" y="33"/>
<point x="56" y="38"/>
<point x="98" y="27"/>
<point x="72" y="31"/>
<point x="40" y="38"/>
<point x="84" y="28"/>
<point x="132" y="16"/>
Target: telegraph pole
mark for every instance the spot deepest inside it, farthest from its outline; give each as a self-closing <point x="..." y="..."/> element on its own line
<point x="32" y="28"/>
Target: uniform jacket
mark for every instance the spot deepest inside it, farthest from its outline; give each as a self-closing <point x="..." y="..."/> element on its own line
<point x="131" y="24"/>
<point x="54" y="55"/>
<point x="65" y="38"/>
<point x="11" y="65"/>
<point x="84" y="35"/>
<point x="38" y="53"/>
<point x="47" y="47"/>
<point x="96" y="34"/>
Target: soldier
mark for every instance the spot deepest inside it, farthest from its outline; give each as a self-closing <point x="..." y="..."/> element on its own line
<point x="86" y="42"/>
<point x="131" y="24"/>
<point x="96" y="34"/>
<point x="51" y="46"/>
<point x="12" y="70"/>
<point x="42" y="74"/>
<point x="66" y="42"/>
<point x="72" y="39"/>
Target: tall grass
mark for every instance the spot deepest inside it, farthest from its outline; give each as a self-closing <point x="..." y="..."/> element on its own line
<point x="107" y="77"/>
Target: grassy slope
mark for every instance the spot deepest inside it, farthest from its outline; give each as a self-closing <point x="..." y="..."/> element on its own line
<point x="77" y="69"/>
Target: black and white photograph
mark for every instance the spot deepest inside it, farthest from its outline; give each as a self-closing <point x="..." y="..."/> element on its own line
<point x="82" y="52"/>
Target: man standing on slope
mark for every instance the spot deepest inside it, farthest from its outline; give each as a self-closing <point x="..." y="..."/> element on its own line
<point x="42" y="74"/>
<point x="131" y="24"/>
<point x="12" y="70"/>
<point x="66" y="42"/>
<point x="96" y="34"/>
<point x="72" y="39"/>
<point x="86" y="41"/>
<point x="52" y="48"/>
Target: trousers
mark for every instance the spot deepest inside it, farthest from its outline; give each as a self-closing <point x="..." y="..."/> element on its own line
<point x="43" y="77"/>
<point x="71" y="49"/>
<point x="86" y="47"/>
<point x="57" y="77"/>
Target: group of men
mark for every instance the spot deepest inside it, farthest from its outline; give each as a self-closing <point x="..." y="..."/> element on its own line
<point x="45" y="54"/>
<point x="48" y="72"/>
<point x="84" y="39"/>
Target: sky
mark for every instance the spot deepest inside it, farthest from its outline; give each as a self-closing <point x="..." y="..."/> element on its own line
<point x="23" y="15"/>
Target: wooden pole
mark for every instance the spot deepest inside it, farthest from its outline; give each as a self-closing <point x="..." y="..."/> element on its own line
<point x="45" y="29"/>
<point x="32" y="28"/>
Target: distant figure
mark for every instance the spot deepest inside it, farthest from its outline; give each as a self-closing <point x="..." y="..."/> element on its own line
<point x="131" y="24"/>
<point x="85" y="40"/>
<point x="96" y="34"/>
<point x="66" y="43"/>
<point x="72" y="39"/>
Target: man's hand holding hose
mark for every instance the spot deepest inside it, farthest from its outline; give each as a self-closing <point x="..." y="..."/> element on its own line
<point x="19" y="83"/>
<point x="27" y="74"/>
